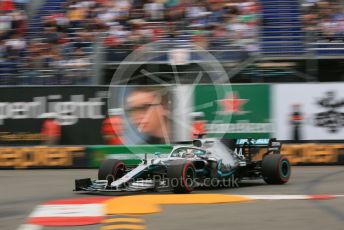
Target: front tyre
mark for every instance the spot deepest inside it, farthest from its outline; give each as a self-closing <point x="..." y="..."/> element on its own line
<point x="111" y="170"/>
<point x="182" y="177"/>
<point x="276" y="169"/>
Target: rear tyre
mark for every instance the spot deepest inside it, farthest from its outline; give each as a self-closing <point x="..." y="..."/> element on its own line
<point x="111" y="170"/>
<point x="182" y="177"/>
<point x="275" y="169"/>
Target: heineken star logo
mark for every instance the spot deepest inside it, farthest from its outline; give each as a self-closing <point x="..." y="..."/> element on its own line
<point x="233" y="103"/>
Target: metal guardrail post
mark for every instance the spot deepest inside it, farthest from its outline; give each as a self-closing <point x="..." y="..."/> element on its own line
<point x="98" y="61"/>
<point x="311" y="63"/>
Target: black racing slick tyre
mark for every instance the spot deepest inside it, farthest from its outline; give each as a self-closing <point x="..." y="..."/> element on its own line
<point x="182" y="177"/>
<point x="275" y="169"/>
<point x="111" y="170"/>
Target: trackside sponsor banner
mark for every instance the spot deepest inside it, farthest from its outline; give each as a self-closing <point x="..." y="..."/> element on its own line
<point x="43" y="157"/>
<point x="79" y="110"/>
<point x="310" y="154"/>
<point x="235" y="111"/>
<point x="309" y="111"/>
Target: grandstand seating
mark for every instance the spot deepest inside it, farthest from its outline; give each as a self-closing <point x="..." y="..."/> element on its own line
<point x="281" y="33"/>
<point x="49" y="7"/>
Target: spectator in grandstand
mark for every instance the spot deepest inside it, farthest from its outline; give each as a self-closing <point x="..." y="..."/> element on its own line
<point x="219" y="36"/>
<point x="107" y="15"/>
<point x="5" y="25"/>
<point x="21" y="4"/>
<point x="116" y="39"/>
<point x="79" y="68"/>
<point x="324" y="19"/>
<point x="241" y="21"/>
<point x="12" y="22"/>
<point x="16" y="43"/>
<point x="84" y="40"/>
<point x="7" y="5"/>
<point x="58" y="20"/>
<point x="11" y="67"/>
<point x="148" y="110"/>
<point x="50" y="35"/>
<point x="59" y="67"/>
<point x="154" y="10"/>
<point x="139" y="33"/>
<point x="200" y="40"/>
<point x="51" y="66"/>
<point x="2" y="50"/>
<point x="76" y="15"/>
<point x="195" y="10"/>
<point x="217" y="12"/>
<point x="29" y="74"/>
<point x="19" y="22"/>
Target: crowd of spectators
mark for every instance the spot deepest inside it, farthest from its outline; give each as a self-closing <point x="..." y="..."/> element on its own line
<point x="210" y="24"/>
<point x="126" y="25"/>
<point x="62" y="51"/>
<point x="13" y="26"/>
<point x="324" y="19"/>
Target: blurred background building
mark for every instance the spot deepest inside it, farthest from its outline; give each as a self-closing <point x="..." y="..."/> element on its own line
<point x="81" y="42"/>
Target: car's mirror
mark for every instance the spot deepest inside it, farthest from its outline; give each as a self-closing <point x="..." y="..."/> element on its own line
<point x="157" y="154"/>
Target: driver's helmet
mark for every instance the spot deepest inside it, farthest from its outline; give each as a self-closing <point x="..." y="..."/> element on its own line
<point x="189" y="153"/>
<point x="181" y="152"/>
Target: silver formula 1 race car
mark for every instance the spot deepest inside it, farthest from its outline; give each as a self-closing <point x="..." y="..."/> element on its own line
<point x="207" y="162"/>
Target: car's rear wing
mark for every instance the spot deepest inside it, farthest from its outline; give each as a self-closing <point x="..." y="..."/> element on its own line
<point x="271" y="144"/>
<point x="249" y="147"/>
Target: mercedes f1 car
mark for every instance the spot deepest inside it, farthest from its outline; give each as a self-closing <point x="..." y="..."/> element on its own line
<point x="207" y="162"/>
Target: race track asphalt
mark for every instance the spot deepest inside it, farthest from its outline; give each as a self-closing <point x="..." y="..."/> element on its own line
<point x="22" y="190"/>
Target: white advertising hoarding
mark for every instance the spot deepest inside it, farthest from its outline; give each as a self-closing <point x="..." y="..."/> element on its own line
<point x="308" y="111"/>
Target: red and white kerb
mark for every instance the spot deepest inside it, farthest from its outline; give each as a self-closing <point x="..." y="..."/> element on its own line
<point x="70" y="212"/>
